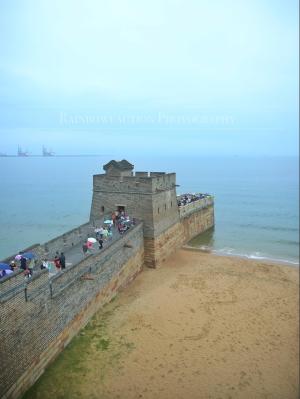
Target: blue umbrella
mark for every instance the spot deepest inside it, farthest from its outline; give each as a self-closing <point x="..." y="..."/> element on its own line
<point x="4" y="266"/>
<point x="28" y="255"/>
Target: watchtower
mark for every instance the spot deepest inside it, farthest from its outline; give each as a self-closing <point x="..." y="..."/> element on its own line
<point x="150" y="197"/>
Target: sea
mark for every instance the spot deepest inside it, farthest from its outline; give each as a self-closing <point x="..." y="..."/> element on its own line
<point x="256" y="200"/>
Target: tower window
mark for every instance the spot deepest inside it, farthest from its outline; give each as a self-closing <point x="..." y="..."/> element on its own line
<point x="102" y="209"/>
<point x="165" y="207"/>
<point x="157" y="210"/>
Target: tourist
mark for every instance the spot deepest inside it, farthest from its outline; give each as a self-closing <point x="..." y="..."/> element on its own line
<point x="57" y="263"/>
<point x="100" y="232"/>
<point x="23" y="262"/>
<point x="97" y="232"/>
<point x="62" y="260"/>
<point x="100" y="240"/>
<point x="31" y="266"/>
<point x="84" y="248"/>
<point x="45" y="264"/>
<point x="105" y="233"/>
<point x="13" y="266"/>
<point x="119" y="228"/>
<point x="27" y="274"/>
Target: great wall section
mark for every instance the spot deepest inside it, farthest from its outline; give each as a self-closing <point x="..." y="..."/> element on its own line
<point x="40" y="316"/>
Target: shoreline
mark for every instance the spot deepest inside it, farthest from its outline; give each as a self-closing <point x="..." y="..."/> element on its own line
<point x="254" y="258"/>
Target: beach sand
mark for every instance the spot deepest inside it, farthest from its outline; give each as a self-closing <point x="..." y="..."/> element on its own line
<point x="201" y="326"/>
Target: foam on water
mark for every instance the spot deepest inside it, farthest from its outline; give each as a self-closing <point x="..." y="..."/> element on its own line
<point x="254" y="256"/>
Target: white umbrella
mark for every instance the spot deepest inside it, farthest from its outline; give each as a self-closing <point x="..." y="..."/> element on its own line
<point x="8" y="271"/>
<point x="108" y="221"/>
<point x="92" y="240"/>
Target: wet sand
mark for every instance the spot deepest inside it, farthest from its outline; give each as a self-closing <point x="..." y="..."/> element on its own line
<point x="201" y="326"/>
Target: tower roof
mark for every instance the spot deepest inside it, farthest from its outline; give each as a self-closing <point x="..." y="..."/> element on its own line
<point x="121" y="165"/>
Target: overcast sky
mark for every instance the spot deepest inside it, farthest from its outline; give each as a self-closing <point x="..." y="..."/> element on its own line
<point x="206" y="77"/>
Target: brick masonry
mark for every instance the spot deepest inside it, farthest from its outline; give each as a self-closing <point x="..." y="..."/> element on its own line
<point x="192" y="224"/>
<point x="36" y="331"/>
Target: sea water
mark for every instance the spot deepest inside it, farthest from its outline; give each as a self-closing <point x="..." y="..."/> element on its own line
<point x="256" y="200"/>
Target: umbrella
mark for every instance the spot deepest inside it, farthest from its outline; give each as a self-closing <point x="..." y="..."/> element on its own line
<point x="4" y="266"/>
<point x="108" y="221"/>
<point x="8" y="271"/>
<point x="18" y="257"/>
<point x="92" y="240"/>
<point x="28" y="255"/>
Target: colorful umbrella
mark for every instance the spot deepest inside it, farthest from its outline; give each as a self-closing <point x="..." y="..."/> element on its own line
<point x="8" y="271"/>
<point x="108" y="221"/>
<point x="4" y="266"/>
<point x="18" y="257"/>
<point x="28" y="255"/>
<point x="92" y="240"/>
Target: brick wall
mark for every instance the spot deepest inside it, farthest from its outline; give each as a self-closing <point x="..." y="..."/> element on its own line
<point x="192" y="224"/>
<point x="38" y="329"/>
<point x="150" y="199"/>
<point x="197" y="222"/>
<point x="159" y="248"/>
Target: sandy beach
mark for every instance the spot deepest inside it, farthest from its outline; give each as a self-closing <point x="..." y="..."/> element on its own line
<point x="201" y="326"/>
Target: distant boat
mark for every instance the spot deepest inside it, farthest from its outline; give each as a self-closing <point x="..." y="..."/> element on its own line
<point x="22" y="153"/>
<point x="47" y="153"/>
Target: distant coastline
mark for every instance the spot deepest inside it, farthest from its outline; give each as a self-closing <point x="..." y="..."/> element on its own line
<point x="54" y="156"/>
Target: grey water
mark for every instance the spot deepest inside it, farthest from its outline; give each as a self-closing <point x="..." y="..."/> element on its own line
<point x="256" y="200"/>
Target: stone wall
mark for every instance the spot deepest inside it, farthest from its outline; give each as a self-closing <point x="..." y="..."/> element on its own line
<point x="151" y="199"/>
<point x="38" y="329"/>
<point x="192" y="224"/>
<point x="159" y="248"/>
<point x="68" y="239"/>
<point x="197" y="222"/>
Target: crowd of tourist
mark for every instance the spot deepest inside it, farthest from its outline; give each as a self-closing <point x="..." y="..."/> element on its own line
<point x="27" y="262"/>
<point x="119" y="221"/>
<point x="188" y="198"/>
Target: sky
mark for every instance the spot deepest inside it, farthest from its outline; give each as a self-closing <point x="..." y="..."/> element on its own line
<point x="153" y="76"/>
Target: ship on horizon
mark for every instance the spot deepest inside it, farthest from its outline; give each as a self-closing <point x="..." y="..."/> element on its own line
<point x="47" y="153"/>
<point x="22" y="153"/>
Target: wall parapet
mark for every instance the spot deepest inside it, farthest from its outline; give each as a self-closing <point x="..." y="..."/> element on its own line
<point x="38" y="329"/>
<point x="186" y="210"/>
<point x="15" y="283"/>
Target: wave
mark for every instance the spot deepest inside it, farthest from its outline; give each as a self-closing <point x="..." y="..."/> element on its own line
<point x="227" y="251"/>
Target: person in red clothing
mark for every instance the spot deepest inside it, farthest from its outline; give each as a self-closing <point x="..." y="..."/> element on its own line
<point x="57" y="263"/>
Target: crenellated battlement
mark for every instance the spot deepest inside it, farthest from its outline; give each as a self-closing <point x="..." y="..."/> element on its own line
<point x="143" y="182"/>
